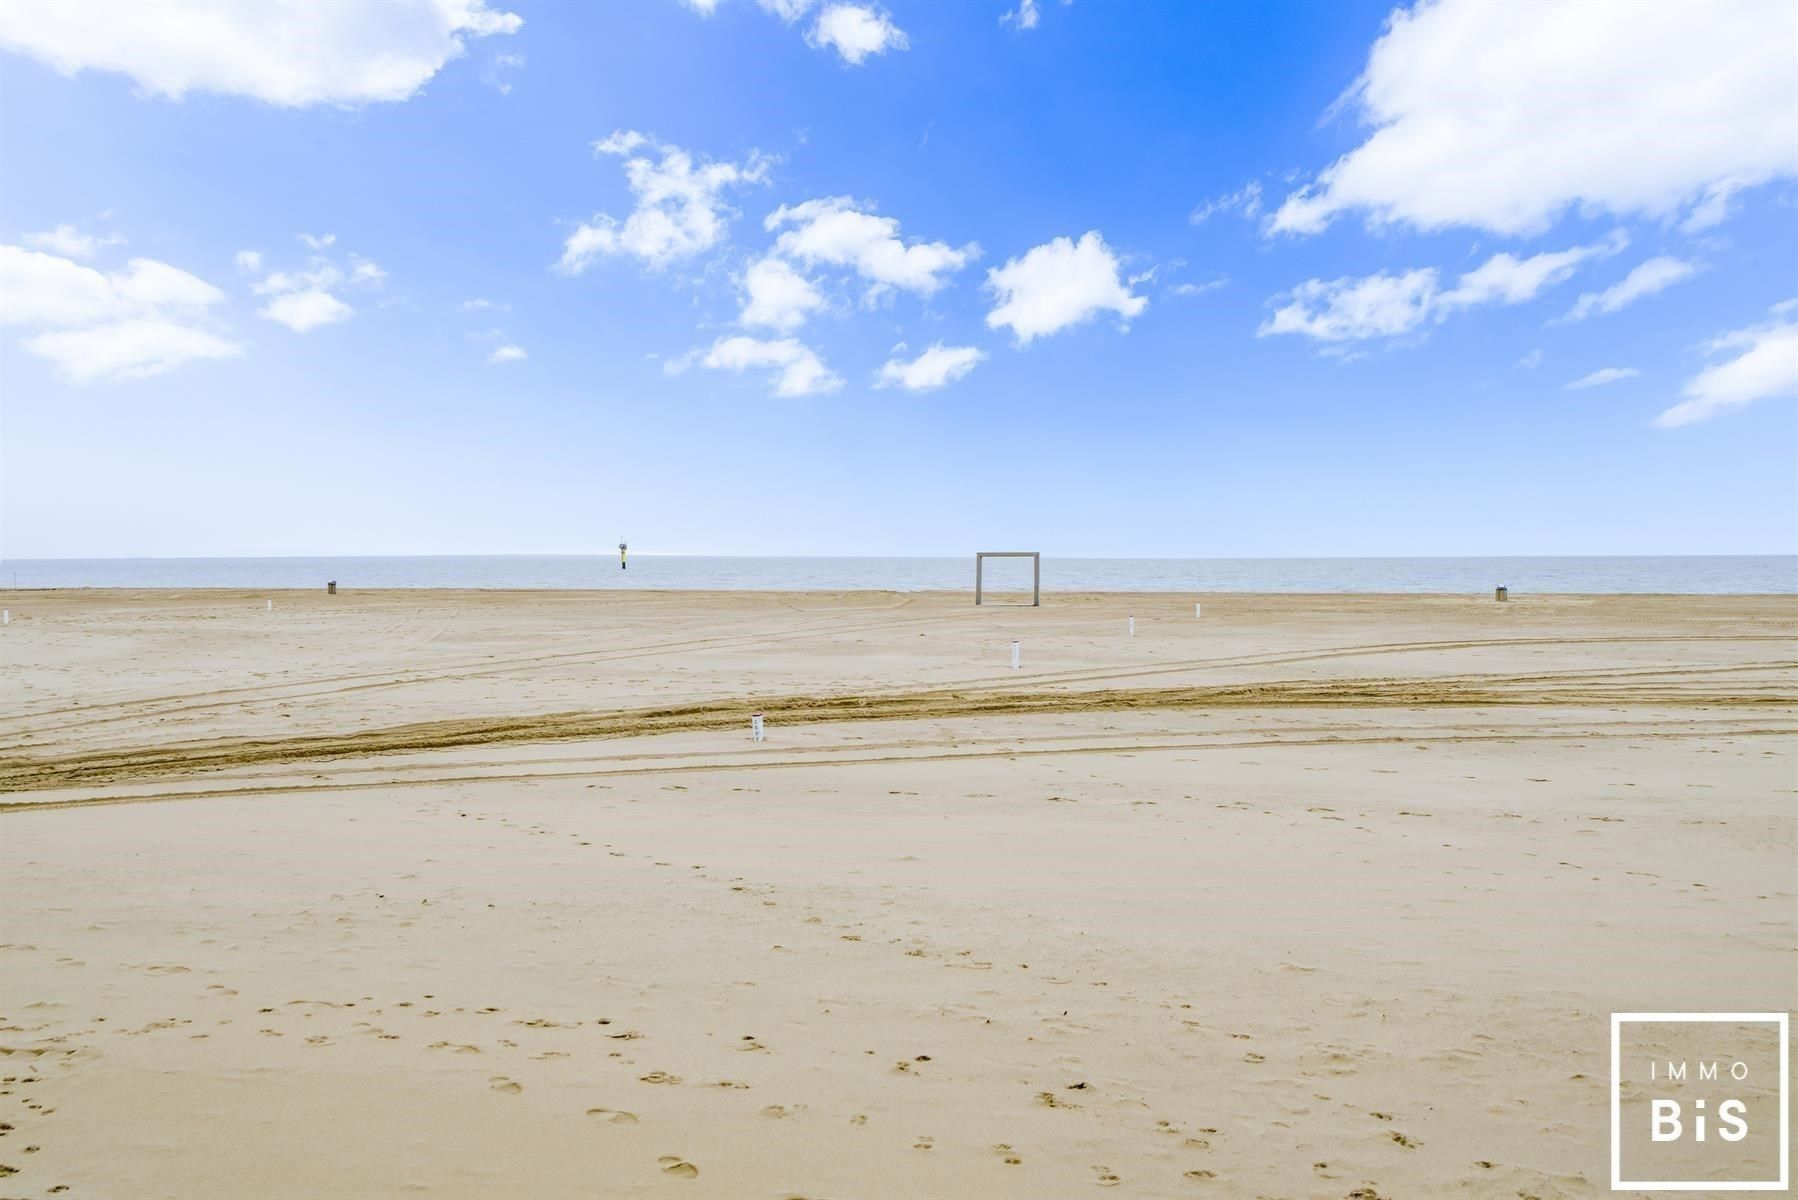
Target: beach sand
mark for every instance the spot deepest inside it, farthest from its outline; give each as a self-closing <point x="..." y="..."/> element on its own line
<point x="490" y="894"/>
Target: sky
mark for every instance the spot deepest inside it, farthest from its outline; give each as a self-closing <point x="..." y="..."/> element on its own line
<point x="848" y="277"/>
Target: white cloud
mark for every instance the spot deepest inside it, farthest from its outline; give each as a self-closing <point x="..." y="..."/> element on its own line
<point x="286" y="52"/>
<point x="1059" y="284"/>
<point x="1342" y="310"/>
<point x="1647" y="279"/>
<point x="1507" y="279"/>
<point x="478" y="304"/>
<point x="1766" y="366"/>
<point x="1500" y="116"/>
<point x="307" y="299"/>
<point x="680" y="207"/>
<point x="704" y="8"/>
<point x="510" y="352"/>
<point x="787" y="10"/>
<point x="127" y="349"/>
<point x="800" y="371"/>
<point x="1245" y="200"/>
<point x="71" y="242"/>
<point x="856" y="31"/>
<point x="304" y="311"/>
<point x="1387" y="305"/>
<point x="248" y="261"/>
<point x="839" y="232"/>
<point x="494" y="75"/>
<point x="1531" y="361"/>
<point x="320" y="241"/>
<point x="1200" y="288"/>
<point x="1603" y="376"/>
<point x="1024" y="16"/>
<point x="932" y="369"/>
<point x="140" y="321"/>
<point x="777" y="296"/>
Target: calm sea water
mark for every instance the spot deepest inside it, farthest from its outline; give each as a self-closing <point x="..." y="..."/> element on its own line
<point x="1757" y="574"/>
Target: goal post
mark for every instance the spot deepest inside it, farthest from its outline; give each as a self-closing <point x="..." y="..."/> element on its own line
<point x="1036" y="573"/>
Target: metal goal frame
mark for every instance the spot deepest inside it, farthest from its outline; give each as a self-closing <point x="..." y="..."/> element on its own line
<point x="1036" y="573"/>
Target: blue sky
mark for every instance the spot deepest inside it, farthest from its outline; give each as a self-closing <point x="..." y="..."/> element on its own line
<point x="1093" y="278"/>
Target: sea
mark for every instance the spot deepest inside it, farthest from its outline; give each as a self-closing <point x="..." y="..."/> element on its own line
<point x="1708" y="574"/>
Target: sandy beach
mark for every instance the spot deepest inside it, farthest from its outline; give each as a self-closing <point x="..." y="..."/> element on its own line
<point x="491" y="894"/>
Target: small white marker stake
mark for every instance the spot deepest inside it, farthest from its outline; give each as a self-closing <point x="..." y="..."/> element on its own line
<point x="1014" y="656"/>
<point x="755" y="727"/>
<point x="1132" y="626"/>
<point x="1195" y="610"/>
<point x="271" y="606"/>
<point x="6" y="617"/>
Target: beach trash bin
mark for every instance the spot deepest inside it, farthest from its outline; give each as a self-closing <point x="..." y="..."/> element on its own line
<point x="331" y="587"/>
<point x="1503" y="593"/>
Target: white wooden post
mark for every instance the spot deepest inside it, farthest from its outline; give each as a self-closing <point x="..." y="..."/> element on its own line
<point x="1014" y="656"/>
<point x="6" y="617"/>
<point x="1132" y="626"/>
<point x="755" y="727"/>
<point x="1195" y="609"/>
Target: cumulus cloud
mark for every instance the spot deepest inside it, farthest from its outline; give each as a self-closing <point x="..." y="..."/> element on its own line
<point x="1765" y="364"/>
<point x="856" y="31"/>
<point x="306" y="299"/>
<point x="1501" y="116"/>
<point x="1647" y="279"/>
<point x="680" y="204"/>
<point x="797" y="369"/>
<point x="1531" y="361"/>
<point x="1343" y="310"/>
<point x="71" y="242"/>
<point x="839" y="232"/>
<point x="510" y="352"/>
<point x="306" y="310"/>
<point x="934" y="368"/>
<point x="141" y="321"/>
<point x="777" y="297"/>
<point x="1388" y="304"/>
<point x="1603" y="376"/>
<point x="286" y="52"/>
<point x="248" y="261"/>
<point x="1059" y="284"/>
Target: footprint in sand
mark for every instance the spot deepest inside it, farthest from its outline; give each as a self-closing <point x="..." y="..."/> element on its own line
<point x="680" y="1168"/>
<point x="613" y="1116"/>
<point x="777" y="1111"/>
<point x="510" y="1087"/>
<point x="923" y="1143"/>
<point x="1004" y="1151"/>
<point x="1105" y="1177"/>
<point x="659" y="1077"/>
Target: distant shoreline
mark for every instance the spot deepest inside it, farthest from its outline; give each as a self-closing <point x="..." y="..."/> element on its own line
<point x="1557" y="575"/>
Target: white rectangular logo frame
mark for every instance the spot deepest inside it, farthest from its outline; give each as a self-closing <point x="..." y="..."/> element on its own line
<point x="1618" y="1020"/>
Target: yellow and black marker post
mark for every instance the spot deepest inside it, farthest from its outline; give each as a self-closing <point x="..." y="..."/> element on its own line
<point x="623" y="563"/>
